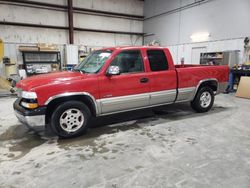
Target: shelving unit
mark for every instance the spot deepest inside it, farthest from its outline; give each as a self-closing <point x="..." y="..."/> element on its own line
<point x="39" y="62"/>
<point x="220" y="58"/>
<point x="213" y="58"/>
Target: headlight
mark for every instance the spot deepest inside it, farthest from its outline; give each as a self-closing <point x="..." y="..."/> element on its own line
<point x="29" y="99"/>
<point x="28" y="95"/>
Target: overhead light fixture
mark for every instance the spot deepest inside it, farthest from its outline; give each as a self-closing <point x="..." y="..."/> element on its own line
<point x="200" y="37"/>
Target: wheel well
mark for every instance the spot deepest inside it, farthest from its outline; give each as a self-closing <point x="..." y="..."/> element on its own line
<point x="211" y="83"/>
<point x="54" y="103"/>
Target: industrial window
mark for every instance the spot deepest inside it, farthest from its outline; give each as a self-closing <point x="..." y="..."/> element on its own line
<point x="129" y="61"/>
<point x="157" y="60"/>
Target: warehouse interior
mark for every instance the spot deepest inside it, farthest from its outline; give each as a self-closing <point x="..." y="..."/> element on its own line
<point x="164" y="146"/>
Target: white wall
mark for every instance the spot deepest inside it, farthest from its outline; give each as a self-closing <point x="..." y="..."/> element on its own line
<point x="185" y="50"/>
<point x="227" y="21"/>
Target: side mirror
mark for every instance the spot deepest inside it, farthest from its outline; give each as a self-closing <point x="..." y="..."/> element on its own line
<point x="113" y="70"/>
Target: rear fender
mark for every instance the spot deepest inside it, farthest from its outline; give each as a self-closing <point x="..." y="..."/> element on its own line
<point x="210" y="82"/>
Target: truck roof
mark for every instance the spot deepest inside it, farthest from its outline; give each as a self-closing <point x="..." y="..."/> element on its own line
<point x="133" y="47"/>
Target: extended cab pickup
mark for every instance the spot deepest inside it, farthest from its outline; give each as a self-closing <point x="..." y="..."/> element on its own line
<point x="114" y="80"/>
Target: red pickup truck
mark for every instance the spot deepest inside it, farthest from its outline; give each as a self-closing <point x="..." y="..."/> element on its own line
<point x="114" y="80"/>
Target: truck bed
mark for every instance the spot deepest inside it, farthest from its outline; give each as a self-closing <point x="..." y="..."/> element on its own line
<point x="190" y="75"/>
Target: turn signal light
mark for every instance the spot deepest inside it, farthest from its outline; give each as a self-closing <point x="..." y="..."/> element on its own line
<point x="29" y="105"/>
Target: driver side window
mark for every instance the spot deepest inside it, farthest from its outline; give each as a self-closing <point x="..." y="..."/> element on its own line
<point x="129" y="61"/>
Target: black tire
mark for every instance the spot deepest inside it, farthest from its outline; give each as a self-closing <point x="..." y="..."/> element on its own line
<point x="77" y="117"/>
<point x="199" y="104"/>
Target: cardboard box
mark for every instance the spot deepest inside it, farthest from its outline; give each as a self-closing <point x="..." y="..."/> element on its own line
<point x="40" y="47"/>
<point x="243" y="90"/>
<point x="28" y="48"/>
<point x="47" y="47"/>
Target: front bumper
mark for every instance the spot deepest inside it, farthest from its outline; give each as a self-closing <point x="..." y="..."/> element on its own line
<point x="31" y="118"/>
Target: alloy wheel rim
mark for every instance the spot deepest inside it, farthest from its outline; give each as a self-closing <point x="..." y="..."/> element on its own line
<point x="205" y="99"/>
<point x="71" y="120"/>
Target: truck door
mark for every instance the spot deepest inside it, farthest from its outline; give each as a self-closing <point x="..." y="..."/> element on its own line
<point x="128" y="90"/>
<point x="162" y="77"/>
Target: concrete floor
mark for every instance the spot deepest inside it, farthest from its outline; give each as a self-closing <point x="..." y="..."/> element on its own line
<point x="166" y="147"/>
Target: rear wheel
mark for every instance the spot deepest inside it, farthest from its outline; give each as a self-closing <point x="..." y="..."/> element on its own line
<point x="70" y="119"/>
<point x="203" y="100"/>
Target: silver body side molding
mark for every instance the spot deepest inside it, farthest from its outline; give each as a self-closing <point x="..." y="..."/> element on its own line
<point x="128" y="102"/>
<point x="186" y="94"/>
<point x="159" y="97"/>
<point x="139" y="108"/>
<point x="138" y="101"/>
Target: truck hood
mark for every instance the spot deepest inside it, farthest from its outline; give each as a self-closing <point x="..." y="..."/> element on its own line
<point x="51" y="78"/>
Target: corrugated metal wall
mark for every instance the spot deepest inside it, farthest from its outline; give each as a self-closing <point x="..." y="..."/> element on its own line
<point x="13" y="12"/>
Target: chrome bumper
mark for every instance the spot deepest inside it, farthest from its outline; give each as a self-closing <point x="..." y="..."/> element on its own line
<point x="31" y="121"/>
<point x="31" y="118"/>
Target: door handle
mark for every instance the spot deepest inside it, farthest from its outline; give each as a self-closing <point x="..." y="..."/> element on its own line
<point x="144" y="80"/>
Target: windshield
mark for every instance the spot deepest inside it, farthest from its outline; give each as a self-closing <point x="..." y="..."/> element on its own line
<point x="93" y="62"/>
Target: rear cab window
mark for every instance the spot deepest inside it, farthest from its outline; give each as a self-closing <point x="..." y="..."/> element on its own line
<point x="157" y="60"/>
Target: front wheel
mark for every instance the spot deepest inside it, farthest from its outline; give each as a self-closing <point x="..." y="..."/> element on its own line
<point x="203" y="100"/>
<point x="70" y="119"/>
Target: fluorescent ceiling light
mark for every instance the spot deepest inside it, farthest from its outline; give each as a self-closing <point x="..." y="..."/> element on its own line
<point x="200" y="37"/>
